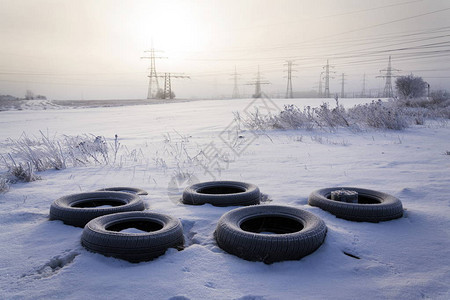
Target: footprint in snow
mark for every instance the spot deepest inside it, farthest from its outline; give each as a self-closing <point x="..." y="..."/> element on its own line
<point x="53" y="266"/>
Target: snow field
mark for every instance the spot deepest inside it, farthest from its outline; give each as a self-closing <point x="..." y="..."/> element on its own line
<point x="407" y="258"/>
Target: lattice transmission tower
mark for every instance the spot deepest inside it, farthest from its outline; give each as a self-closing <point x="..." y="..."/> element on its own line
<point x="235" y="94"/>
<point x="327" y="79"/>
<point x="257" y="83"/>
<point x="289" y="64"/>
<point x="167" y="92"/>
<point x="320" y="85"/>
<point x="388" y="90"/>
<point x="153" y="84"/>
<point x="363" y="91"/>
<point x="342" y="85"/>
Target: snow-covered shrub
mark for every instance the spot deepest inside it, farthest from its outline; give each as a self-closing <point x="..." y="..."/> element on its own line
<point x="86" y="149"/>
<point x="436" y="106"/>
<point x="42" y="153"/>
<point x="331" y="118"/>
<point x="291" y="117"/>
<point x="378" y="114"/>
<point x="29" y="155"/>
<point x="254" y="120"/>
<point x="23" y="172"/>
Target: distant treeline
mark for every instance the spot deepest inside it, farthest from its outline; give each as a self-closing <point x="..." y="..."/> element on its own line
<point x="29" y="95"/>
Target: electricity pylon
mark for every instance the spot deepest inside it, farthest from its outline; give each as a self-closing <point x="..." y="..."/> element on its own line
<point x="235" y="89"/>
<point x="289" y="93"/>
<point x="153" y="84"/>
<point x="388" y="91"/>
<point x="167" y="94"/>
<point x="363" y="92"/>
<point x="342" y="86"/>
<point x="327" y="79"/>
<point x="320" y="85"/>
<point x="257" y="83"/>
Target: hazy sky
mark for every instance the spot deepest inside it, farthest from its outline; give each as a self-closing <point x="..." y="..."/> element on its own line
<point x="91" y="49"/>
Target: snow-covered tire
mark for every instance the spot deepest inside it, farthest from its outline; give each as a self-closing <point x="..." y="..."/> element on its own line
<point x="372" y="206"/>
<point x="78" y="209"/>
<point x="222" y="193"/>
<point x="125" y="189"/>
<point x="248" y="232"/>
<point x="103" y="235"/>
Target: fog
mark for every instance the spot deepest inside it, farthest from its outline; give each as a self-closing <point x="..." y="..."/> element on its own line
<point x="92" y="49"/>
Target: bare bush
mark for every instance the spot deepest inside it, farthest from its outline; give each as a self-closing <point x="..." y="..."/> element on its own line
<point x="331" y="118"/>
<point x="22" y="171"/>
<point x="291" y="117"/>
<point x="86" y="149"/>
<point x="378" y="114"/>
<point x="436" y="106"/>
<point x="440" y="96"/>
<point x="30" y="155"/>
<point x="410" y="86"/>
<point x="42" y="153"/>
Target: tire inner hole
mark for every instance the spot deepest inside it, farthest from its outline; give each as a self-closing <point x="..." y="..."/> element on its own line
<point x="217" y="190"/>
<point x="98" y="203"/>
<point x="271" y="225"/>
<point x="362" y="199"/>
<point x="135" y="226"/>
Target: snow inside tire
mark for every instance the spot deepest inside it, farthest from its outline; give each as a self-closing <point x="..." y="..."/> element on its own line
<point x="79" y="209"/>
<point x="222" y="193"/>
<point x="270" y="233"/>
<point x="372" y="206"/>
<point x="105" y="235"/>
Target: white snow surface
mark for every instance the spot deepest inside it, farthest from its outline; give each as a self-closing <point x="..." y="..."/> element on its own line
<point x="407" y="258"/>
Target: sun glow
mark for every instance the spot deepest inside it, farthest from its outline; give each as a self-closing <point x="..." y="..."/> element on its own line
<point x="171" y="26"/>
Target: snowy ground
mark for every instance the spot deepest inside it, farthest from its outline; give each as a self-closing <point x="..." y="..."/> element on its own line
<point x="407" y="258"/>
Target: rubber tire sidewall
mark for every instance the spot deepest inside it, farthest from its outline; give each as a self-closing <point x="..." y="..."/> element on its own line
<point x="61" y="209"/>
<point x="250" y="196"/>
<point x="133" y="247"/>
<point x="269" y="247"/>
<point x="389" y="207"/>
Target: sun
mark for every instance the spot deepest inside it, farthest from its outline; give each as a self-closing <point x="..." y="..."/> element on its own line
<point x="171" y="26"/>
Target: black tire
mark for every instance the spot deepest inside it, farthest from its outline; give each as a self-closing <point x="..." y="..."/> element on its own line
<point x="79" y="209"/>
<point x="125" y="189"/>
<point x="372" y="206"/>
<point x="300" y="233"/>
<point x="222" y="193"/>
<point x="102" y="235"/>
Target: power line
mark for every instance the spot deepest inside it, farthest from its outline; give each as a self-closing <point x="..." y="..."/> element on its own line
<point x="271" y="25"/>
